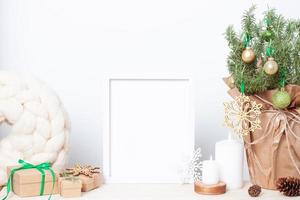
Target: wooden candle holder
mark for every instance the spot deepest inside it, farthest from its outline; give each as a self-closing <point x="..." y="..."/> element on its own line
<point x="215" y="189"/>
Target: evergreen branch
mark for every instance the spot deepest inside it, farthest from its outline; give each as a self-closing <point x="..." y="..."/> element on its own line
<point x="285" y="41"/>
<point x="231" y="37"/>
<point x="248" y="20"/>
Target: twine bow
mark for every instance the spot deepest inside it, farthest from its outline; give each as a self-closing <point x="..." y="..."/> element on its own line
<point x="281" y="119"/>
<point x="41" y="168"/>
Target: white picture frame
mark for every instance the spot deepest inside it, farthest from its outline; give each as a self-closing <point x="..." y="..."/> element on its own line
<point x="120" y="105"/>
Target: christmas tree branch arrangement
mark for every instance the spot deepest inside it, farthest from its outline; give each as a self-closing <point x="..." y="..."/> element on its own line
<point x="267" y="47"/>
<point x="264" y="67"/>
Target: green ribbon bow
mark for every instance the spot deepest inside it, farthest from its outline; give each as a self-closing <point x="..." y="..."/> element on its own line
<point x="242" y="87"/>
<point x="282" y="76"/>
<point x="270" y="51"/>
<point x="41" y="168"/>
<point x="268" y="21"/>
<point x="247" y="40"/>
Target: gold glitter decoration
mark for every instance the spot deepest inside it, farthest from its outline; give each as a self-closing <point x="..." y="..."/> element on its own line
<point x="242" y="115"/>
<point x="86" y="170"/>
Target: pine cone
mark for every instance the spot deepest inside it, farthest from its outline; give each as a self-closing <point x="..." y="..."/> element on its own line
<point x="254" y="190"/>
<point x="289" y="186"/>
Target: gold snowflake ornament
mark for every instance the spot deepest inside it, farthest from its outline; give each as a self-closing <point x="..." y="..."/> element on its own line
<point x="85" y="170"/>
<point x="242" y="115"/>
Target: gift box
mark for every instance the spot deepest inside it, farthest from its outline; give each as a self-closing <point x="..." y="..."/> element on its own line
<point x="274" y="150"/>
<point x="90" y="183"/>
<point x="69" y="187"/>
<point x="28" y="182"/>
<point x="90" y="176"/>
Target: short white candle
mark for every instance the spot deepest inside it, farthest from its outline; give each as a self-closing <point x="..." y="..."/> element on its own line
<point x="230" y="156"/>
<point x="210" y="173"/>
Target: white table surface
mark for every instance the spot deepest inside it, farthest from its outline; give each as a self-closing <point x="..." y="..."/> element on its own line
<point x="161" y="192"/>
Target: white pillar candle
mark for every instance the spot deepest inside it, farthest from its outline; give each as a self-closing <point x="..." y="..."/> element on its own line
<point x="210" y="174"/>
<point x="230" y="156"/>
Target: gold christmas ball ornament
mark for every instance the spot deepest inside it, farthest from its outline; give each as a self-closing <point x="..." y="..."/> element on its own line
<point x="271" y="66"/>
<point x="248" y="55"/>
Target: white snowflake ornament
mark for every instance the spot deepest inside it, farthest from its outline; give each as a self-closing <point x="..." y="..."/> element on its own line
<point x="195" y="168"/>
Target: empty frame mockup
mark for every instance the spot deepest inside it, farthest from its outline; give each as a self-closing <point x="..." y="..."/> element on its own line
<point x="149" y="129"/>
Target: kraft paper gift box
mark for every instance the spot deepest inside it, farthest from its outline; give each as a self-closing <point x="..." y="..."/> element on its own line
<point x="274" y="150"/>
<point x="90" y="183"/>
<point x="69" y="187"/>
<point x="27" y="182"/>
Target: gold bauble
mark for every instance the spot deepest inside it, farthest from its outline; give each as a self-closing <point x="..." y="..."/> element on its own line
<point x="271" y="67"/>
<point x="248" y="55"/>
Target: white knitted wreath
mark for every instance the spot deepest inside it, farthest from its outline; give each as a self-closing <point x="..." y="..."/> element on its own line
<point x="39" y="125"/>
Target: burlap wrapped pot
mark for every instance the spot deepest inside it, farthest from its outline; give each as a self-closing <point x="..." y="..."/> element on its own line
<point x="274" y="150"/>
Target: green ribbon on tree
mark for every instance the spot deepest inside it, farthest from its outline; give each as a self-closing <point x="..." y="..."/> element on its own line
<point x="270" y="51"/>
<point x="282" y="76"/>
<point x="242" y="87"/>
<point x="41" y="168"/>
<point x="247" y="40"/>
<point x="268" y="21"/>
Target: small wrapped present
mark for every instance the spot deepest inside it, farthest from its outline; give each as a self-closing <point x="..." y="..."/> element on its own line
<point x="90" y="183"/>
<point x="91" y="177"/>
<point x="69" y="186"/>
<point x="29" y="180"/>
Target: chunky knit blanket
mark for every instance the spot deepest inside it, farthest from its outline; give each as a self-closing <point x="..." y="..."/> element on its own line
<point x="39" y="125"/>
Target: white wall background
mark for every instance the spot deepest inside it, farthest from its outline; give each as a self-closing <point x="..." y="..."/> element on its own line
<point x="71" y="44"/>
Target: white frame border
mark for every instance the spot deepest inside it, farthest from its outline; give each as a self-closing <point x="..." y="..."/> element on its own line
<point x="106" y="149"/>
